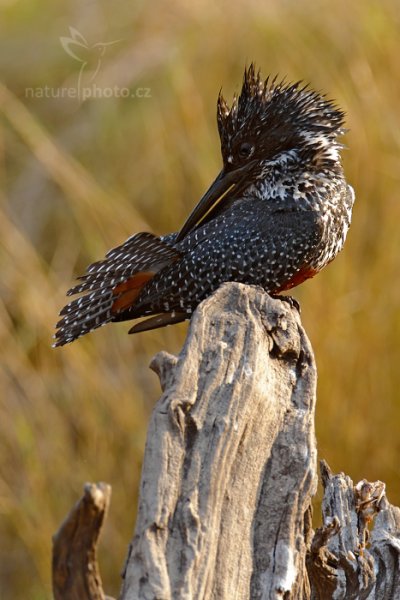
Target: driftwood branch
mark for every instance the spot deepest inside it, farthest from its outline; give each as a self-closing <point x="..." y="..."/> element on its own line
<point x="228" y="477"/>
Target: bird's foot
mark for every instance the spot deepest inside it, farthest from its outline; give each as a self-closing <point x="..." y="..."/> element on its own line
<point x="289" y="299"/>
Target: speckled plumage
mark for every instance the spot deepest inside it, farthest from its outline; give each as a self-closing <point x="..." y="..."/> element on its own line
<point x="276" y="215"/>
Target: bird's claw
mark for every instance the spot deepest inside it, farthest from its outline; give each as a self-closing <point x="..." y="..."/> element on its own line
<point x="293" y="303"/>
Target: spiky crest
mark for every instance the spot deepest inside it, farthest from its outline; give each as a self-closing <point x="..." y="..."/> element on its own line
<point x="281" y="116"/>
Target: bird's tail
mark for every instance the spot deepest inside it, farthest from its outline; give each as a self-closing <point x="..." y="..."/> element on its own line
<point x="112" y="285"/>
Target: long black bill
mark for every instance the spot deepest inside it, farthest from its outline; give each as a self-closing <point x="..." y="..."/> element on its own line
<point x="219" y="190"/>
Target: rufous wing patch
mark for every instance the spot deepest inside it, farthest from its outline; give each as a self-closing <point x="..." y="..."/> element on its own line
<point x="129" y="290"/>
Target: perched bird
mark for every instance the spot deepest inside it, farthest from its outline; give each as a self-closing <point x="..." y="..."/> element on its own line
<point x="278" y="212"/>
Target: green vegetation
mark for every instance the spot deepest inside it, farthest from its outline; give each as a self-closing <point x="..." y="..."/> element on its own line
<point x="79" y="178"/>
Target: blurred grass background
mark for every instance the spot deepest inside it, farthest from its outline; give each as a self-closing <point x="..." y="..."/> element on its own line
<point x="78" y="178"/>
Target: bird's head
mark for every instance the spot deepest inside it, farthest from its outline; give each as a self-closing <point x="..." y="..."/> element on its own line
<point x="271" y="131"/>
<point x="273" y="123"/>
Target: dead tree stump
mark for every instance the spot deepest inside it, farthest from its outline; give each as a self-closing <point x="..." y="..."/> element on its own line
<point x="230" y="462"/>
<point x="346" y="561"/>
<point x="75" y="572"/>
<point x="228" y="478"/>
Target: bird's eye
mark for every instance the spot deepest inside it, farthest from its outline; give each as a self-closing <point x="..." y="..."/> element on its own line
<point x="246" y="150"/>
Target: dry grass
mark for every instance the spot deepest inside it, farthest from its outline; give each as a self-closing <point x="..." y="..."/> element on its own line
<point x="79" y="178"/>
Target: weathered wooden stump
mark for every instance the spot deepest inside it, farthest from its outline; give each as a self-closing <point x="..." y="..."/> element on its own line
<point x="230" y="461"/>
<point x="230" y="471"/>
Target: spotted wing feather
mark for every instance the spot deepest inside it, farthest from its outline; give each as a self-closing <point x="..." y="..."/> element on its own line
<point x="107" y="283"/>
